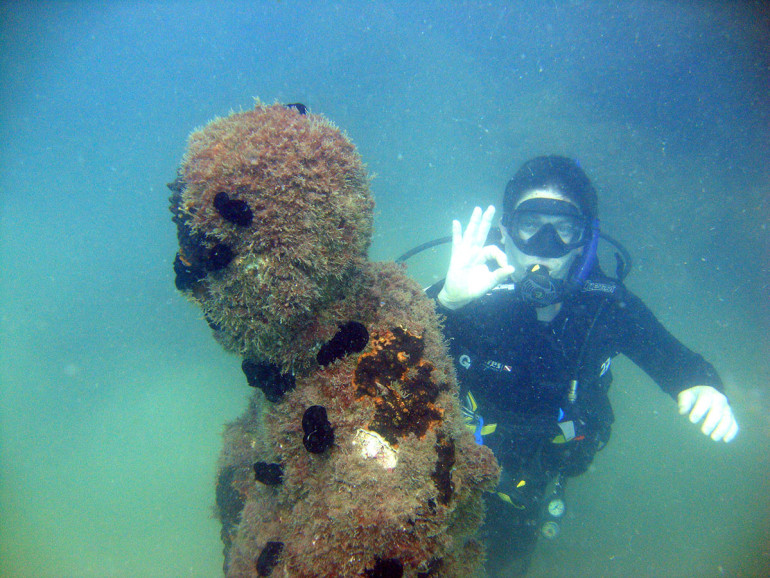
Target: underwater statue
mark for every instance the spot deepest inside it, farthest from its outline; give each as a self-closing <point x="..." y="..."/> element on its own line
<point x="352" y="458"/>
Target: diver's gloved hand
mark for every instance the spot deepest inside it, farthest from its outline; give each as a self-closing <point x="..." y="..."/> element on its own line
<point x="469" y="277"/>
<point x="703" y="400"/>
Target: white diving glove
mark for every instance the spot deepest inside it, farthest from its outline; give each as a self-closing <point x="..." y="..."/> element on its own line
<point x="469" y="277"/>
<point x="703" y="400"/>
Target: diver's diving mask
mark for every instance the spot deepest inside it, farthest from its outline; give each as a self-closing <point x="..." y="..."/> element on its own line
<point x="548" y="228"/>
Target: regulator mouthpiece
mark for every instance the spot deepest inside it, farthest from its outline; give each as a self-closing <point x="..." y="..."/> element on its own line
<point x="539" y="288"/>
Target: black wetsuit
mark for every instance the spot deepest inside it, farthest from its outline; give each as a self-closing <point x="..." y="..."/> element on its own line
<point x="520" y="371"/>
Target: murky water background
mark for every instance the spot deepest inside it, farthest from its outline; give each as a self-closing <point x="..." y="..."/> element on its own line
<point x="114" y="394"/>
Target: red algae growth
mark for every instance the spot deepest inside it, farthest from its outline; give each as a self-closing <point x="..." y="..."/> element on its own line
<point x="350" y="463"/>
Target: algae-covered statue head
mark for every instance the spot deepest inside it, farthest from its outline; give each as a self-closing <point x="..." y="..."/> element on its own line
<point x="274" y="219"/>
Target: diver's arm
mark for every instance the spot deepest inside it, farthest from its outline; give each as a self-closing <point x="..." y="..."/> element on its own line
<point x="682" y="373"/>
<point x="469" y="277"/>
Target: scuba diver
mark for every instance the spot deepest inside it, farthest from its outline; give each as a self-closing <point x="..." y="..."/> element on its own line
<point x="533" y="340"/>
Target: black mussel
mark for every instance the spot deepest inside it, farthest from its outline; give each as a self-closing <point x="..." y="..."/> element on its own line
<point x="187" y="275"/>
<point x="234" y="210"/>
<point x="268" y="474"/>
<point x="268" y="378"/>
<point x="300" y="108"/>
<point x="219" y="257"/>
<point x="268" y="558"/>
<point x="319" y="433"/>
<point x="352" y="337"/>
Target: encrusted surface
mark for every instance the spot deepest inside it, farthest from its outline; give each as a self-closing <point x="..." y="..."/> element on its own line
<point x="352" y="458"/>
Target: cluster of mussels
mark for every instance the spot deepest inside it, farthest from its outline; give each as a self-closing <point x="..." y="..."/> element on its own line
<point x="195" y="259"/>
<point x="395" y="358"/>
<point x="352" y="337"/>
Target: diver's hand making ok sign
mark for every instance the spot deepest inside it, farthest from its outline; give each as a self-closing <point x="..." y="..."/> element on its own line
<point x="469" y="277"/>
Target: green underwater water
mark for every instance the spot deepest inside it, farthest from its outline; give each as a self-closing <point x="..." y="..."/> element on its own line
<point x="113" y="394"/>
